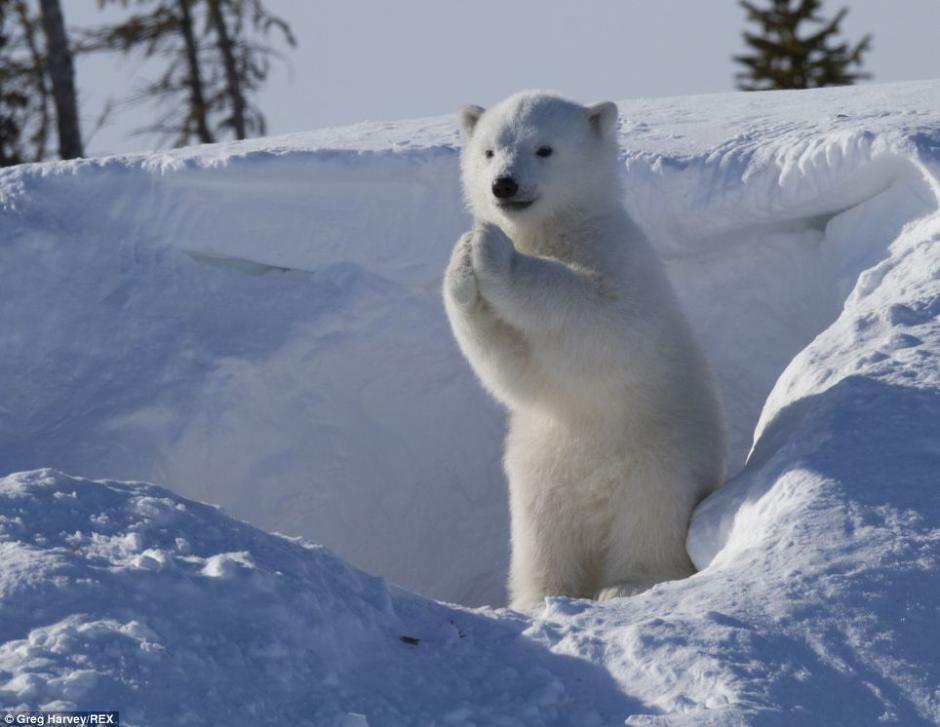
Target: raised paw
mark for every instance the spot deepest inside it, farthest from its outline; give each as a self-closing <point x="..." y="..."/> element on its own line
<point x="493" y="252"/>
<point x="460" y="281"/>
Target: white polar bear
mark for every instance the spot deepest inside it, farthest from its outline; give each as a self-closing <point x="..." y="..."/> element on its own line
<point x="564" y="311"/>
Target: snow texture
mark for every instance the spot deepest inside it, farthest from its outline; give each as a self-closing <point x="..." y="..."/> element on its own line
<point x="258" y="325"/>
<point x="128" y="595"/>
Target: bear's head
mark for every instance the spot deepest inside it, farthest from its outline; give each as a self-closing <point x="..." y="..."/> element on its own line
<point x="535" y="156"/>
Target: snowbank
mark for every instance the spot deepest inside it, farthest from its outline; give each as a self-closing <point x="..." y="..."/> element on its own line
<point x="258" y="325"/>
<point x="127" y="595"/>
<point x="266" y="334"/>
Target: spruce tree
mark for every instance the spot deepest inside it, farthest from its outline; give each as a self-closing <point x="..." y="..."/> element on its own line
<point x="240" y="28"/>
<point x="27" y="113"/>
<point x="783" y="57"/>
<point x="61" y="71"/>
<point x="12" y="98"/>
<point x="214" y="55"/>
<point x="163" y="30"/>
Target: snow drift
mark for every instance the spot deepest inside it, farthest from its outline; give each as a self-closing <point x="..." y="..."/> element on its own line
<point x="258" y="325"/>
<point x="127" y="594"/>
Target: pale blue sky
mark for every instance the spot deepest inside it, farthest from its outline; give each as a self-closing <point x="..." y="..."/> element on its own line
<point x="372" y="60"/>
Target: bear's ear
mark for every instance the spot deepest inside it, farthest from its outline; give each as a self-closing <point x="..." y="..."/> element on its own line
<point x="469" y="115"/>
<point x="603" y="117"/>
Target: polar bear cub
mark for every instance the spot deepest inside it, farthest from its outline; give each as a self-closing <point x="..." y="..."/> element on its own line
<point x="564" y="311"/>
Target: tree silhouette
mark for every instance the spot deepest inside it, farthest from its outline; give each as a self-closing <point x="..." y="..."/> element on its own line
<point x="26" y="110"/>
<point x="241" y="28"/>
<point x="12" y="98"/>
<point x="783" y="58"/>
<point x="61" y="72"/>
<point x="215" y="56"/>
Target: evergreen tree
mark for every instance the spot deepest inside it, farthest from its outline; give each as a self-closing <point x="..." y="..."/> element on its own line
<point x="215" y="55"/>
<point x="12" y="99"/>
<point x="61" y="72"/>
<point x="198" y="109"/>
<point x="783" y="58"/>
<point x="165" y="30"/>
<point x="245" y="59"/>
<point x="26" y="109"/>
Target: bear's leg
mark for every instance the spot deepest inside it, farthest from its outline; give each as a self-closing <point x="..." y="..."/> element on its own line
<point x="646" y="542"/>
<point x="550" y="554"/>
<point x="498" y="353"/>
<point x="535" y="295"/>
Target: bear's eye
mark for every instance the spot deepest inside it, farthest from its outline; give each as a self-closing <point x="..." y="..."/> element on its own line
<point x="488" y="153"/>
<point x="544" y="151"/>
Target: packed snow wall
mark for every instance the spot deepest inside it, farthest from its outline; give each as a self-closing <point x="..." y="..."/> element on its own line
<point x="258" y="325"/>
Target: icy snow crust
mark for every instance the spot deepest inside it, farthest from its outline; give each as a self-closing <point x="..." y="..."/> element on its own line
<point x="258" y="325"/>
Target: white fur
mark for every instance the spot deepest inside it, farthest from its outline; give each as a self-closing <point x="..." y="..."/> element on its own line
<point x="565" y="313"/>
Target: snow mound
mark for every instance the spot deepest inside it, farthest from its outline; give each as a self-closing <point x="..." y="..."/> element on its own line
<point x="127" y="595"/>
<point x="259" y="325"/>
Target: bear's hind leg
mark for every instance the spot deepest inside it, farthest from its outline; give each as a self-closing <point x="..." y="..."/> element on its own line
<point x="546" y="561"/>
<point x="646" y="540"/>
<point x="530" y="583"/>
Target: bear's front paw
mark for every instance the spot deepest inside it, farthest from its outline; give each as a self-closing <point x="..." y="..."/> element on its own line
<point x="460" y="282"/>
<point x="493" y="252"/>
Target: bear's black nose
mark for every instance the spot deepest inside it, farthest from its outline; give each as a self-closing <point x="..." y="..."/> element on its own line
<point x="505" y="187"/>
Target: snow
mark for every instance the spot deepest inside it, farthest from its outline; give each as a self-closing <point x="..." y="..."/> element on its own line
<point x="128" y="595"/>
<point x="258" y="325"/>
